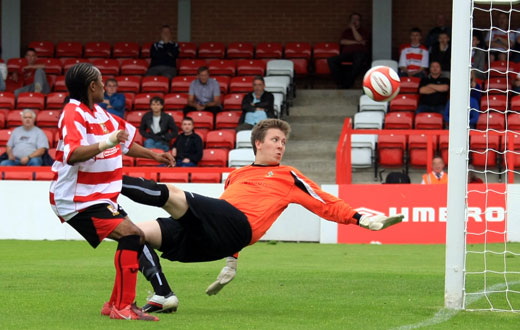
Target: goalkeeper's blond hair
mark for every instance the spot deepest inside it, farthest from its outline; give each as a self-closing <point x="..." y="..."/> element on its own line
<point x="260" y="130"/>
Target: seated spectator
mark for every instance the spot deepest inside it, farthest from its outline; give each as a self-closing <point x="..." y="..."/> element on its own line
<point x="27" y="143"/>
<point x="441" y="52"/>
<point x="187" y="149"/>
<point x="442" y="27"/>
<point x="437" y="175"/>
<point x="32" y="75"/>
<point x="499" y="40"/>
<point x="257" y="105"/>
<point x="114" y="102"/>
<point x="3" y="73"/>
<point x="354" y="48"/>
<point x="157" y="127"/>
<point x="478" y="57"/>
<point x="204" y="94"/>
<point x="413" y="59"/>
<point x="433" y="91"/>
<point x="164" y="55"/>
<point x="474" y="104"/>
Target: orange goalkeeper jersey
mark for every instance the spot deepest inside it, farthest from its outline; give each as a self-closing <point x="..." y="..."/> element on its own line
<point x="263" y="192"/>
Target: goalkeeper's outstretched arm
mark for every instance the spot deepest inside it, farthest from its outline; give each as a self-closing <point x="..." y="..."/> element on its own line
<point x="225" y="276"/>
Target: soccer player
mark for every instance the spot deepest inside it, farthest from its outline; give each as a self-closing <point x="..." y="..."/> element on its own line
<point x="88" y="178"/>
<point x="205" y="229"/>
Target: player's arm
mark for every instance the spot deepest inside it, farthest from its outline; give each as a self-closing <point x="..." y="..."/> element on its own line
<point x="83" y="153"/>
<point x="138" y="151"/>
<point x="226" y="275"/>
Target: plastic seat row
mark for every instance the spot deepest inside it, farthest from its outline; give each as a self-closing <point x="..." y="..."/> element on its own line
<point x="397" y="120"/>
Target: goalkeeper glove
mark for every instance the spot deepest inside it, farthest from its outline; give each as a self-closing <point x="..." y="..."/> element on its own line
<point x="378" y="222"/>
<point x="226" y="275"/>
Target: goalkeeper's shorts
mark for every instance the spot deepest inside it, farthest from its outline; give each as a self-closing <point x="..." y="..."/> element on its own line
<point x="210" y="230"/>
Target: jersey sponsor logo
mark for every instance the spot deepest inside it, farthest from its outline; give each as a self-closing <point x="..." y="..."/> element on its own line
<point x="269" y="174"/>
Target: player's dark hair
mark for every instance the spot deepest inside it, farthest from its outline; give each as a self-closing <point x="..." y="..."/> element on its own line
<point x="260" y="130"/>
<point x="202" y="69"/>
<point x="188" y="119"/>
<point x="415" y="29"/>
<point x="157" y="99"/>
<point x="259" y="78"/>
<point x="78" y="79"/>
<point x="111" y="80"/>
<point x="31" y="50"/>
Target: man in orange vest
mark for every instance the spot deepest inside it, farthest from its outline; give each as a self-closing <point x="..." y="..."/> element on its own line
<point x="437" y="175"/>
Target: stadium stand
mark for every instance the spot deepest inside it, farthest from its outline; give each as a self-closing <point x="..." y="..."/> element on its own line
<point x="240" y="50"/>
<point x="97" y="50"/>
<point x="187" y="50"/>
<point x="43" y="48"/>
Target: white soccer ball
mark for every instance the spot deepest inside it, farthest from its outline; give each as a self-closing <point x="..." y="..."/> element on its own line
<point x="381" y="83"/>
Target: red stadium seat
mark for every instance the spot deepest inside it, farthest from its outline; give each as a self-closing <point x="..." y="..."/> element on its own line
<point x="391" y="149"/>
<point x="109" y="67"/>
<point x="142" y="100"/>
<point x="484" y="150"/>
<point x="44" y="176"/>
<point x="69" y="62"/>
<point x="202" y="132"/>
<point x="128" y="161"/>
<point x="175" y="101"/>
<point x="190" y="67"/>
<point x="500" y="69"/>
<point x="59" y="84"/>
<point x="134" y="67"/>
<point x="97" y="49"/>
<point x="69" y="49"/>
<point x="404" y="102"/>
<point x="202" y="119"/>
<point x="187" y="50"/>
<point x="223" y="82"/>
<point x="138" y="138"/>
<point x="11" y="85"/>
<point x="174" y="177"/>
<point x="496" y="85"/>
<point x="513" y="122"/>
<point x="251" y="68"/>
<point x="181" y="84"/>
<point x="129" y="101"/>
<point x="227" y="119"/>
<point x="493" y="101"/>
<point x="43" y="48"/>
<point x="30" y="100"/>
<point x="7" y="100"/>
<point x="417" y="145"/>
<point x="2" y="120"/>
<point x="409" y="85"/>
<point x="269" y="50"/>
<point x="13" y="118"/>
<point x="23" y="176"/>
<point x="240" y="50"/>
<point x="148" y="162"/>
<point x="135" y="117"/>
<point x="15" y="64"/>
<point x="443" y="147"/>
<point x="222" y="67"/>
<point x="158" y="84"/>
<point x="322" y="51"/>
<point x="52" y="65"/>
<point x="223" y="138"/>
<point x="126" y="50"/>
<point x="300" y="54"/>
<point x="198" y="177"/>
<point x="399" y="120"/>
<point x="128" y="84"/>
<point x="5" y="134"/>
<point x="242" y="84"/>
<point x="491" y="120"/>
<point x="213" y="158"/>
<point x="233" y="101"/>
<point x="515" y="150"/>
<point x="515" y="103"/>
<point x="426" y="120"/>
<point x="177" y="115"/>
<point x="49" y="133"/>
<point x="48" y="118"/>
<point x="145" y="49"/>
<point x="212" y="50"/>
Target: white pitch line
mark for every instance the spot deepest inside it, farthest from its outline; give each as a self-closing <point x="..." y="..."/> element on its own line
<point x="445" y="314"/>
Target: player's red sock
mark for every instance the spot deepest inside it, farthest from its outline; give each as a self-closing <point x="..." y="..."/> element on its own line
<point x="127" y="266"/>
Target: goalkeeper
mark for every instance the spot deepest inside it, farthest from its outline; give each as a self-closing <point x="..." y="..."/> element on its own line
<point x="205" y="229"/>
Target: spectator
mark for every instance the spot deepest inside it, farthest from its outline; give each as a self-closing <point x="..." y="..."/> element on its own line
<point x="157" y="127"/>
<point x="114" y="102"/>
<point x="441" y="52"/>
<point x="437" y="175"/>
<point x="27" y="143"/>
<point x="257" y="105"/>
<point x="499" y="40"/>
<point x="442" y="26"/>
<point x="3" y="72"/>
<point x="413" y="60"/>
<point x="164" y="55"/>
<point x="472" y="176"/>
<point x="354" y="42"/>
<point x="32" y="75"/>
<point x="187" y="149"/>
<point x="478" y="57"/>
<point x="433" y="91"/>
<point x="474" y="104"/>
<point x="204" y="94"/>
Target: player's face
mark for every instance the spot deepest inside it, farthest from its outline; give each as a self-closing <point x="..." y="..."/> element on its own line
<point x="98" y="90"/>
<point x="271" y="150"/>
<point x="415" y="37"/>
<point x="31" y="57"/>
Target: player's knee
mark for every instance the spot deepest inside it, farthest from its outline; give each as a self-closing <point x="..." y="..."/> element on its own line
<point x="174" y="195"/>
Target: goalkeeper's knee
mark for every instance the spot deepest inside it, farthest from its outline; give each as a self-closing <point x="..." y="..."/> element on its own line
<point x="144" y="191"/>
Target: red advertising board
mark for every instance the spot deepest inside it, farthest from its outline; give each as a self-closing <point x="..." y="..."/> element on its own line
<point x="425" y="210"/>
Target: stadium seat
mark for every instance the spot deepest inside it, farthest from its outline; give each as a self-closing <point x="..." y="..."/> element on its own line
<point x="213" y="157"/>
<point x="30" y="100"/>
<point x="69" y="49"/>
<point x="181" y="84"/>
<point x="14" y="118"/>
<point x="44" y="176"/>
<point x="212" y="50"/>
<point x="515" y="103"/>
<point x="240" y="50"/>
<point x="23" y="176"/>
<point x="278" y="84"/>
<point x="190" y="67"/>
<point x="241" y="157"/>
<point x="15" y="64"/>
<point x="280" y="68"/>
<point x="443" y="147"/>
<point x="5" y="134"/>
<point x="409" y="85"/>
<point x="55" y="100"/>
<point x="404" y="102"/>
<point x="145" y="49"/>
<point x="142" y="100"/>
<point x="243" y="139"/>
<point x="496" y="85"/>
<point x="417" y="146"/>
<point x="391" y="150"/>
<point x="135" y="117"/>
<point x="3" y="114"/>
<point x="322" y="51"/>
<point x="48" y="118"/>
<point x="69" y="62"/>
<point x="187" y="50"/>
<point x="158" y="84"/>
<point x="500" y="69"/>
<point x="148" y="162"/>
<point x="175" y="101"/>
<point x="300" y="54"/>
<point x="202" y="119"/>
<point x="202" y="132"/>
<point x="233" y="101"/>
<point x="128" y="161"/>
<point x="513" y="122"/>
<point x="496" y="102"/>
<point x="43" y="48"/>
<point x="222" y="68"/>
<point x="223" y="82"/>
<point x="177" y="115"/>
<point x="427" y="120"/>
<point x="399" y="120"/>
<point x="363" y="147"/>
<point x="367" y="104"/>
<point x="491" y="120"/>
<point x="223" y="138"/>
<point x="269" y="50"/>
<point x="129" y="101"/>
<point x="126" y="50"/>
<point x="97" y="49"/>
<point x="49" y="133"/>
<point x="128" y="84"/>
<point x="242" y="84"/>
<point x="53" y="66"/>
<point x="227" y="119"/>
<point x="368" y="119"/>
<point x="505" y="146"/>
<point x="177" y="177"/>
<point x="251" y="68"/>
<point x="7" y="100"/>
<point x="59" y="84"/>
<point x="279" y="104"/>
<point x="390" y="63"/>
<point x="484" y="150"/>
<point x="134" y="67"/>
<point x="108" y="67"/>
<point x="200" y="177"/>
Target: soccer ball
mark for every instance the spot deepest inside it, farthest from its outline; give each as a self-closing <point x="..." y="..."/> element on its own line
<point x="381" y="83"/>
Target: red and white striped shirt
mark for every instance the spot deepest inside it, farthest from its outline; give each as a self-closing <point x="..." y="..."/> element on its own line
<point x="94" y="181"/>
<point x="413" y="58"/>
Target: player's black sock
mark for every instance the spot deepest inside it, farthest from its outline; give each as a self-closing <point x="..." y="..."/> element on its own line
<point x="144" y="191"/>
<point x="150" y="266"/>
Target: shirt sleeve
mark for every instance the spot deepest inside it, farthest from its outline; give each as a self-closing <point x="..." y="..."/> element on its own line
<point x="216" y="88"/>
<point x="192" y="88"/>
<point x="130" y="129"/>
<point x="425" y="59"/>
<point x="402" y="58"/>
<point x="42" y="141"/>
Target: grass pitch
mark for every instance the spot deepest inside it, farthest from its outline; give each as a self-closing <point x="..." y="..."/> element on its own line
<point x="63" y="284"/>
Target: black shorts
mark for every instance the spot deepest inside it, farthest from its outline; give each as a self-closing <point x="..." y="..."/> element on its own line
<point x="96" y="222"/>
<point x="210" y="230"/>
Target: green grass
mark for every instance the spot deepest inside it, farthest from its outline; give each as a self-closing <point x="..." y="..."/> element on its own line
<point x="63" y="284"/>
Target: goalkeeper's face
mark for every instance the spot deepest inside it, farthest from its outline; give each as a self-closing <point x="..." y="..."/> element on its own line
<point x="271" y="150"/>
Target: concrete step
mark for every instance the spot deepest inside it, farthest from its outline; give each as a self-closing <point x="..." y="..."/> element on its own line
<point x="311" y="149"/>
<point x="325" y="131"/>
<point x="318" y="171"/>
